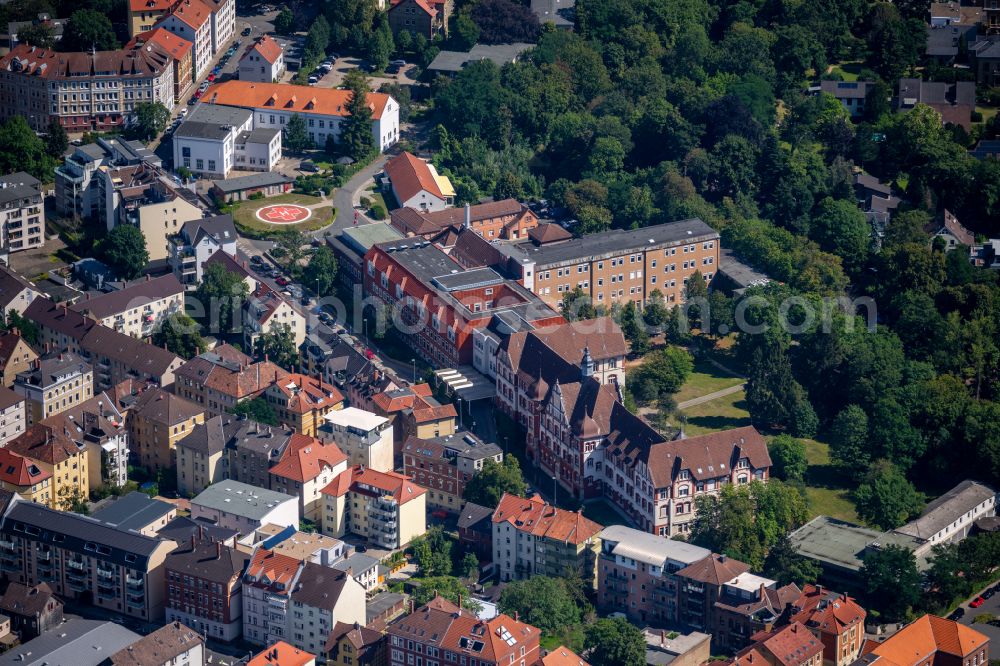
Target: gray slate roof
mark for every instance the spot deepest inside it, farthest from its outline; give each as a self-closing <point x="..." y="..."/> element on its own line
<point x="133" y="511"/>
<point x="948" y="508"/>
<point x="18" y="186"/>
<point x="211" y="121"/>
<point x="455" y="61"/>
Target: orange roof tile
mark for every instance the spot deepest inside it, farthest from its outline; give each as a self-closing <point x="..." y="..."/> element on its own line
<point x="409" y="175"/>
<point x="192" y="12"/>
<point x="268" y="49"/>
<point x="563" y="656"/>
<point x="282" y="654"/>
<point x="535" y="516"/>
<point x="175" y="45"/>
<point x="273" y="567"/>
<point x="288" y="97"/>
<point x="918" y="641"/>
<point x="304" y="393"/>
<point x="306" y="457"/>
<point x="366" y="480"/>
<point x="17" y="470"/>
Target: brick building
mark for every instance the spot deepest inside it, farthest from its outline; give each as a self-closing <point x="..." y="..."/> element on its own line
<point x="445" y="464"/>
<point x="836" y="619"/>
<point x="508" y="219"/>
<point x="451" y="636"/>
<point x="791" y="645"/>
<point x="929" y="641"/>
<point x="204" y="588"/>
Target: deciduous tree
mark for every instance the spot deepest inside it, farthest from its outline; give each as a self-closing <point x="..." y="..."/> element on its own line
<point x="125" y="250"/>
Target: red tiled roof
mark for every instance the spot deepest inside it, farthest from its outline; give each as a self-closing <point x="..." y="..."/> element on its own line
<point x="288" y="97"/>
<point x="306" y="457"/>
<point x="136" y="6"/>
<point x="425" y="5"/>
<point x="707" y="456"/>
<point x="274" y="567"/>
<point x="418" y="400"/>
<point x="174" y="44"/>
<point x="827" y="611"/>
<point x="303" y="393"/>
<point x="536" y="517"/>
<point x="282" y="654"/>
<point x="268" y="49"/>
<point x="239" y="382"/>
<point x="17" y="470"/>
<point x="715" y="569"/>
<point x="409" y="175"/>
<point x="920" y="640"/>
<point x="563" y="656"/>
<point x="548" y="233"/>
<point x="192" y="12"/>
<point x="360" y="479"/>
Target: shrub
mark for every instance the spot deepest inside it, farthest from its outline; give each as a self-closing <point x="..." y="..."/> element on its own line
<point x="377" y="212"/>
<point x="256" y="196"/>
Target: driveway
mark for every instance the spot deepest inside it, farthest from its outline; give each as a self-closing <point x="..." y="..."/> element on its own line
<point x="349" y="196"/>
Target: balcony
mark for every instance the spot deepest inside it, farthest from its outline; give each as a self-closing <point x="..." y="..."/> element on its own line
<point x="105" y="574"/>
<point x="134" y="583"/>
<point x="105" y="591"/>
<point x="44" y="556"/>
<point x="74" y="564"/>
<point x="135" y="603"/>
<point x="77" y="584"/>
<point x="7" y="545"/>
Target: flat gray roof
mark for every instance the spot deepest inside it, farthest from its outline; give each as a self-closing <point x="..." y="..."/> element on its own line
<point x="75" y="642"/>
<point x="842" y="544"/>
<point x="253" y="180"/>
<point x="133" y="511"/>
<point x="18" y="185"/>
<point x="362" y="237"/>
<point x="240" y="499"/>
<point x="741" y="274"/>
<point x="211" y="121"/>
<point x="650" y="548"/>
<point x="455" y="61"/>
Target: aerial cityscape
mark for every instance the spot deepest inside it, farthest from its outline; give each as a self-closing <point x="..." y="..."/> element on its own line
<point x="499" y="333"/>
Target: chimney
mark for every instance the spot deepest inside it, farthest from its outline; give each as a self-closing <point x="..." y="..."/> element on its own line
<point x="16" y="331"/>
<point x="192" y="542"/>
<point x="517" y="615"/>
<point x="218" y="550"/>
<point x="468" y="216"/>
<point x="722" y="558"/>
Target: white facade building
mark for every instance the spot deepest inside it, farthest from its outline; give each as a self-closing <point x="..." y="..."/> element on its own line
<point x="258" y="150"/>
<point x="192" y="20"/>
<point x="223" y="23"/>
<point x="263" y="62"/>
<point x="244" y="508"/>
<point x="197" y="241"/>
<point x="322" y="109"/>
<point x="365" y="438"/>
<point x="205" y="142"/>
<point x="22" y="216"/>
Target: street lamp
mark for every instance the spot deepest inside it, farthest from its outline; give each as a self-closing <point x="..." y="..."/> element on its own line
<point x="414" y="362"/>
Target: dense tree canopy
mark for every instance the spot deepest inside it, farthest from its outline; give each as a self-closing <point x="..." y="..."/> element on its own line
<point x="124" y="249"/>
<point x="493" y="480"/>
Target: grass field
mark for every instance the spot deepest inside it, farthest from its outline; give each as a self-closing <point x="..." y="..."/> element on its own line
<point x="828" y="491"/>
<point x="244" y="214"/>
<point x="848" y="70"/>
<point x="705" y="379"/>
<point x="729" y="411"/>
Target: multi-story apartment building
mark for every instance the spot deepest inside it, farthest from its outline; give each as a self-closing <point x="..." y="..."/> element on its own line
<point x="618" y="266"/>
<point x="191" y="20"/>
<point x="223" y="23"/>
<point x="253" y="450"/>
<point x="94" y="91"/>
<point x="415" y="412"/>
<point x="156" y="423"/>
<point x="442" y="302"/>
<point x="658" y="488"/>
<point x="13" y="408"/>
<point x="23" y="476"/>
<point x="117" y="357"/>
<point x="307" y="467"/>
<point x="204" y="588"/>
<point x="22" y="215"/>
<point x="173" y="643"/>
<point x="322" y="597"/>
<point x="181" y="52"/>
<point x="532" y="537"/>
<point x="84" y="559"/>
<point x="57" y="382"/>
<point x="220" y="379"/>
<point x="791" y="645"/>
<point x="244" y="508"/>
<point x="99" y="426"/>
<point x="453" y="636"/>
<point x="58" y="326"/>
<point x="445" y="464"/>
<point x="201" y="456"/>
<point x="77" y="177"/>
<point x="323" y="109"/>
<point x="933" y="641"/>
<point x="138" y="309"/>
<point x="190" y="248"/>
<point x="365" y="438"/>
<point x="263" y="62"/>
<point x="718" y="595"/>
<point x="267" y="587"/>
<point x="496" y="220"/>
<point x="387" y="508"/>
<point x="636" y="574"/>
<point x="205" y="143"/>
<point x="355" y="645"/>
<point x="16" y="356"/>
<point x="143" y="14"/>
<point x="302" y="402"/>
<point x="55" y="452"/>
<point x="268" y="312"/>
<point x="836" y="619"/>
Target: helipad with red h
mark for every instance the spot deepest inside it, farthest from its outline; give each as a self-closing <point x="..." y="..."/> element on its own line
<point x="283" y="214"/>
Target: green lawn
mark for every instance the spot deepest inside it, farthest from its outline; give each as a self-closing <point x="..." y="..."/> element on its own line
<point x="729" y="411"/>
<point x="705" y="379"/>
<point x="987" y="111"/>
<point x="848" y="69"/>
<point x="828" y="491"/>
<point x="244" y="214"/>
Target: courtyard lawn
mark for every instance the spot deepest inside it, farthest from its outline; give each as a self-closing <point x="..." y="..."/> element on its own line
<point x="244" y="214"/>
<point x="728" y="411"/>
<point x="848" y="70"/>
<point x="829" y="492"/>
<point x="705" y="379"/>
